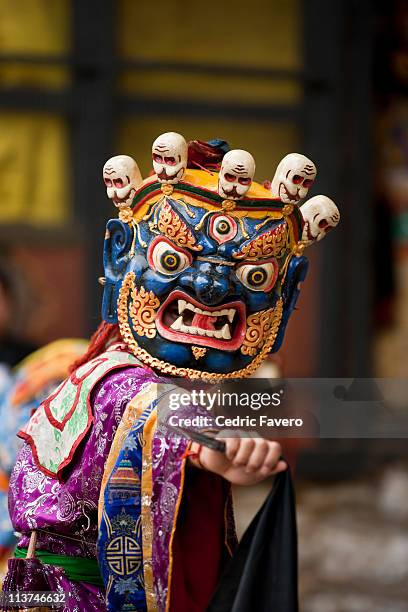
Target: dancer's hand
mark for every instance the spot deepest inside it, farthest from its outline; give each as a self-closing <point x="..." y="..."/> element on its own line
<point x="246" y="460"/>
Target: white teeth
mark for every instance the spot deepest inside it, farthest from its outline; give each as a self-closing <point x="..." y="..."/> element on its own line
<point x="231" y="314"/>
<point x="178" y="323"/>
<point x="226" y="332"/>
<point x="182" y="305"/>
<point x="223" y="334"/>
<point x="188" y="329"/>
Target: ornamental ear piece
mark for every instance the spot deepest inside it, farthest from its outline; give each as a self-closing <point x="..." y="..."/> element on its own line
<point x="169" y="154"/>
<point x="293" y="178"/>
<point x="122" y="177"/>
<point x="320" y="215"/>
<point x="236" y="174"/>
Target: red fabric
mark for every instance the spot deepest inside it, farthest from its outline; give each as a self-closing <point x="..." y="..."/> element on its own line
<point x="198" y="545"/>
<point x="202" y="155"/>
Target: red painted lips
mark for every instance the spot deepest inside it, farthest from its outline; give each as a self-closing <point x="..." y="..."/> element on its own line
<point x="181" y="318"/>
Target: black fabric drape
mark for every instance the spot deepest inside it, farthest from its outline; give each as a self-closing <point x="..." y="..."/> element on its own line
<point x="263" y="574"/>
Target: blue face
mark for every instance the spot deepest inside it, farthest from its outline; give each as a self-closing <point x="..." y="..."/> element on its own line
<point x="202" y="299"/>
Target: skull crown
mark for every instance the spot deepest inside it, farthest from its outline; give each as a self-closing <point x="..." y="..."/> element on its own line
<point x="122" y="177"/>
<point x="293" y="178"/>
<point x="236" y="174"/>
<point x="320" y="215"/>
<point x="169" y="154"/>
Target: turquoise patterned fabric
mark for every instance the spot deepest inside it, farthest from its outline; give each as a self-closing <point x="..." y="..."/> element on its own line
<point x="120" y="536"/>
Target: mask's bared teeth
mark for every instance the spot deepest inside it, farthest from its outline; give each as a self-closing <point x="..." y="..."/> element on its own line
<point x="231" y="315"/>
<point x="226" y="334"/>
<point x="177" y="324"/>
<point x="181" y="305"/>
<point x="189" y="329"/>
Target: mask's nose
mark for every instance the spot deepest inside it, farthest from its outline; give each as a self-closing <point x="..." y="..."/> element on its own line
<point x="211" y="283"/>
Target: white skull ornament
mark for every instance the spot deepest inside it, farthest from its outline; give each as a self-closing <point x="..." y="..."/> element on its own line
<point x="320" y="215"/>
<point x="293" y="178"/>
<point x="122" y="177"/>
<point x="169" y="153"/>
<point x="236" y="174"/>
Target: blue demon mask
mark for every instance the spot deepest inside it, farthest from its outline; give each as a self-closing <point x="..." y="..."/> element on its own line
<point x="202" y="268"/>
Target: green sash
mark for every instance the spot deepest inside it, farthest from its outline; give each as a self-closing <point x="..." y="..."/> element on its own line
<point x="77" y="569"/>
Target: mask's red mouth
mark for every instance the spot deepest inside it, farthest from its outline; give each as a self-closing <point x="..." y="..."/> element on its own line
<point x="182" y="319"/>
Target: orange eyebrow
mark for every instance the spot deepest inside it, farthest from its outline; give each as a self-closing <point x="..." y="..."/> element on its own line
<point x="269" y="244"/>
<point x="171" y="225"/>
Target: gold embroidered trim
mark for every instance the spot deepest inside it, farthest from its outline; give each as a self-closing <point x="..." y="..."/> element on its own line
<point x="167" y="188"/>
<point x="287" y="210"/>
<point x="126" y="214"/>
<point x="171" y="225"/>
<point x="260" y="326"/>
<point x="146" y="513"/>
<point x="269" y="244"/>
<point x="170" y="369"/>
<point x="173" y="531"/>
<point x="299" y="248"/>
<point x="143" y="311"/>
<point x="228" y="205"/>
<point x="198" y="351"/>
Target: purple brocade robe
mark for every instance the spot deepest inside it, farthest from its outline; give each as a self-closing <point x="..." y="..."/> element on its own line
<point x="64" y="513"/>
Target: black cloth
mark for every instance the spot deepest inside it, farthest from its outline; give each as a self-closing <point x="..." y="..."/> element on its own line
<point x="263" y="574"/>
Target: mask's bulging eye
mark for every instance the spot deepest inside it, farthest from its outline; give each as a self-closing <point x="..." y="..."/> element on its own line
<point x="165" y="257"/>
<point x="223" y="228"/>
<point x="258" y="277"/>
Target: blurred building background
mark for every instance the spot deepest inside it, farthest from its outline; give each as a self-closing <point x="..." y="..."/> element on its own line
<point x="81" y="81"/>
